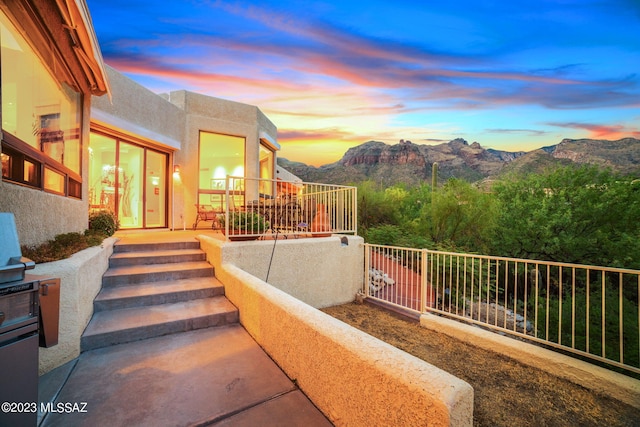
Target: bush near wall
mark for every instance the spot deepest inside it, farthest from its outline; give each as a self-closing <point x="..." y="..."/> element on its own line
<point x="102" y="224"/>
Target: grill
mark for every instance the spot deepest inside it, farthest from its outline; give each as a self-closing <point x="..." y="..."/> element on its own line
<point x="22" y="326"/>
<point x="12" y="264"/>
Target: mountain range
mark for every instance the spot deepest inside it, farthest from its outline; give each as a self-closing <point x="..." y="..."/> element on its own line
<point x="411" y="163"/>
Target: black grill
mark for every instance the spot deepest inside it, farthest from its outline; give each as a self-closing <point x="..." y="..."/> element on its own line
<point x="20" y="333"/>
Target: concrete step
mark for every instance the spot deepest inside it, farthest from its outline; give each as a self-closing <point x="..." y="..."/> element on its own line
<point x="122" y="259"/>
<point x="153" y="293"/>
<point x="155" y="246"/>
<point x="128" y="275"/>
<point x="132" y="324"/>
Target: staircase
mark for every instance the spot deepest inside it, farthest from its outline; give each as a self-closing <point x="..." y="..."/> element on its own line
<point x="154" y="289"/>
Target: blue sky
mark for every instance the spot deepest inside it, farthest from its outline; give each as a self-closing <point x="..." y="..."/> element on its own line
<point x="511" y="75"/>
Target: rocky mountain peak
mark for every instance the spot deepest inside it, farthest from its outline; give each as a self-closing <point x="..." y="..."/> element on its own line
<point x="411" y="163"/>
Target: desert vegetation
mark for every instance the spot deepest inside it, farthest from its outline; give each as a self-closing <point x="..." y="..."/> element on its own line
<point x="573" y="214"/>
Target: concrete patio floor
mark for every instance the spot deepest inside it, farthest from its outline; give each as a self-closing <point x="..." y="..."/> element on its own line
<point x="216" y="376"/>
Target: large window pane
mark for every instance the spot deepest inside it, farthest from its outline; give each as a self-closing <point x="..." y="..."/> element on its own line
<point x="36" y="108"/>
<point x="266" y="170"/>
<point x="220" y="155"/>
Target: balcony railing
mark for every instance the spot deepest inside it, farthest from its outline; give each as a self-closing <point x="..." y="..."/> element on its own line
<point x="586" y="310"/>
<point x="251" y="208"/>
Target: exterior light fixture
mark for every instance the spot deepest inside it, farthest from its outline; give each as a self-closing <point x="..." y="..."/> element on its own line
<point x="176" y="169"/>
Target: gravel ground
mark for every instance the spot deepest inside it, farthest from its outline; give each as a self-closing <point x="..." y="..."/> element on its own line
<point x="506" y="392"/>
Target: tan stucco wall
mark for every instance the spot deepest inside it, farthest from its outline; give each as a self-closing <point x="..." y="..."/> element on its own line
<point x="80" y="281"/>
<point x="352" y="377"/>
<point x="320" y="271"/>
<point x="604" y="381"/>
<point x="209" y="114"/>
<point x="135" y="110"/>
<point x="39" y="215"/>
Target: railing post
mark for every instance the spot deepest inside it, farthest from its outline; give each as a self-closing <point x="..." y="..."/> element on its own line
<point x="354" y="217"/>
<point x="424" y="282"/>
<point x="367" y="268"/>
<point x="226" y="207"/>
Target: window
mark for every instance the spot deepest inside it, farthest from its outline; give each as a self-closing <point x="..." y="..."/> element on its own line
<point x="41" y="119"/>
<point x="266" y="169"/>
<point x="19" y="168"/>
<point x="220" y="155"/>
<point x="53" y="181"/>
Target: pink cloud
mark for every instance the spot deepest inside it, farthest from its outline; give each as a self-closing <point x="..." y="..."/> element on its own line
<point x="599" y="131"/>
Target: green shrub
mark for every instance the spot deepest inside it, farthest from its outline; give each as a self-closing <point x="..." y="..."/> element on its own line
<point x="575" y="321"/>
<point x="249" y="221"/>
<point x="62" y="246"/>
<point x="104" y="222"/>
<point x="393" y="235"/>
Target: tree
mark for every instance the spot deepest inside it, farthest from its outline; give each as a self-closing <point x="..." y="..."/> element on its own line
<point x="461" y="216"/>
<point x="373" y="208"/>
<point x="582" y="215"/>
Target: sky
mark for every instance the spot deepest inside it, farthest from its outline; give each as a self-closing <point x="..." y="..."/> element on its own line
<point x="512" y="75"/>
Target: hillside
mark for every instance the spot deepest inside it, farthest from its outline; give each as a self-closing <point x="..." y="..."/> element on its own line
<point x="411" y="163"/>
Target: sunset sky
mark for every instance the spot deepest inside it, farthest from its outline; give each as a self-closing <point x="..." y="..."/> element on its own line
<point x="511" y="75"/>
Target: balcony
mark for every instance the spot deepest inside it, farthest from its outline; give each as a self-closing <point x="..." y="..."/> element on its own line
<point x="249" y="208"/>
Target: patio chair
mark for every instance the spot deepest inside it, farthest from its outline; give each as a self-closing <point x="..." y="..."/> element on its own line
<point x="207" y="213"/>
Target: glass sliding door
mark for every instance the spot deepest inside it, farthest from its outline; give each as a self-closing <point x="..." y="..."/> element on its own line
<point x="156" y="189"/>
<point x="129" y="180"/>
<point x="102" y="173"/>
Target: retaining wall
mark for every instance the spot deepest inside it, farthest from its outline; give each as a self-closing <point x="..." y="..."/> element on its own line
<point x="352" y="377"/>
<point x="80" y="281"/>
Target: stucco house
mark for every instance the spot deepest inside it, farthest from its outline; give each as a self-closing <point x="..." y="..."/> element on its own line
<point x="77" y="136"/>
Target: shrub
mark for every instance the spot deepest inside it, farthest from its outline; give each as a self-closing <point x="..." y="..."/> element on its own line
<point x="249" y="221"/>
<point x="104" y="222"/>
<point x="393" y="235"/>
<point x="62" y="246"/>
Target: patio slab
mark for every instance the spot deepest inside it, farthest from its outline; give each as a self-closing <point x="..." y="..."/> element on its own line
<point x="214" y="376"/>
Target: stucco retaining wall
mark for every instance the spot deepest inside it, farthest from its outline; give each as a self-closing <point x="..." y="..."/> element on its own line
<point x="352" y="377"/>
<point x="80" y="281"/>
<point x="320" y="272"/>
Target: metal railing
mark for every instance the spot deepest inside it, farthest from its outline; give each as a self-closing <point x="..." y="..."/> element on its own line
<point x="589" y="311"/>
<point x="252" y="208"/>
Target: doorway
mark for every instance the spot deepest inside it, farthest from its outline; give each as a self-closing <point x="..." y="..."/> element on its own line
<point x="128" y="179"/>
